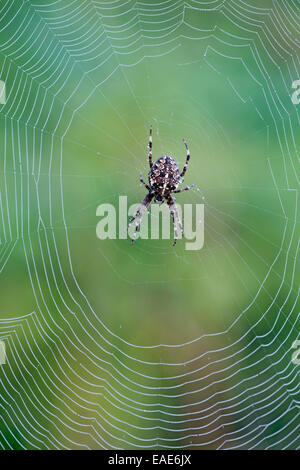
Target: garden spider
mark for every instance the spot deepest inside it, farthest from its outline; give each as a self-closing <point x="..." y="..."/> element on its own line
<point x="164" y="178"/>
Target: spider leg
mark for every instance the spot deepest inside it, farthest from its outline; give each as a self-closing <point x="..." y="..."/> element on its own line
<point x="150" y="147"/>
<point x="179" y="221"/>
<point x="139" y="213"/>
<point x="188" y="156"/>
<point x="184" y="189"/>
<point x="175" y="218"/>
<point x="142" y="181"/>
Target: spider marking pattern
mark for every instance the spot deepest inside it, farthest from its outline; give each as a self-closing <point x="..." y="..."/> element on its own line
<point x="164" y="178"/>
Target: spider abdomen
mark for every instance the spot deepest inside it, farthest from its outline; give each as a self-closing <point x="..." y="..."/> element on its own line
<point x="164" y="176"/>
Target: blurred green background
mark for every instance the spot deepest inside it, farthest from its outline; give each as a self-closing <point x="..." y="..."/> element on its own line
<point x="150" y="346"/>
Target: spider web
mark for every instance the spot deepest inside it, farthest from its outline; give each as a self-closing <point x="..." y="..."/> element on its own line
<point x="148" y="348"/>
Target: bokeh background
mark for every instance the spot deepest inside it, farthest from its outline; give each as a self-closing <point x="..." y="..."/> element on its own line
<point x="111" y="346"/>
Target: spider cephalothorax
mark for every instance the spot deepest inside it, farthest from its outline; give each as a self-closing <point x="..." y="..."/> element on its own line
<point x="164" y="178"/>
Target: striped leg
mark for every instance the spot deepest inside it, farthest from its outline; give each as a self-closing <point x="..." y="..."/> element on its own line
<point x="137" y="217"/>
<point x="188" y="156"/>
<point x="142" y="181"/>
<point x="184" y="189"/>
<point x="179" y="220"/>
<point x="150" y="147"/>
<point x="175" y="218"/>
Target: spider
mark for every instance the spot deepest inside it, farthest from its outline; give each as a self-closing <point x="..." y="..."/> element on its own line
<point x="164" y="178"/>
